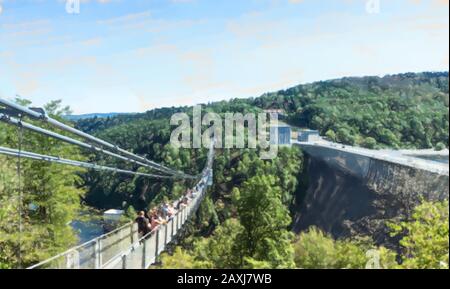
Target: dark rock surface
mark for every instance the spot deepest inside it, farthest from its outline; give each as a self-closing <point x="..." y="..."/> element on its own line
<point x="345" y="205"/>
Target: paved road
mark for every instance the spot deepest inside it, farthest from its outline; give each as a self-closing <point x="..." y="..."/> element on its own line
<point x="394" y="156"/>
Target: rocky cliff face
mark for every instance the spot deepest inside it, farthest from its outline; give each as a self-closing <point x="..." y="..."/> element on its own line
<point x="344" y="204"/>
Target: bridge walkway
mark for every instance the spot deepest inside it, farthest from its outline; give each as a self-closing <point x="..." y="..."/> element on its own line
<point x="123" y="248"/>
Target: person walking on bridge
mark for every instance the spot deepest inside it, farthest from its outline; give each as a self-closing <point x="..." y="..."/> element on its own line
<point x="143" y="224"/>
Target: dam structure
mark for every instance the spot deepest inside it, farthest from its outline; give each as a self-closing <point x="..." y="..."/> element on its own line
<point x="353" y="190"/>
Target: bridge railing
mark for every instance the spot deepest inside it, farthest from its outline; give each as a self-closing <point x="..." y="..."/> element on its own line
<point x="144" y="252"/>
<point x="122" y="248"/>
<point x="94" y="253"/>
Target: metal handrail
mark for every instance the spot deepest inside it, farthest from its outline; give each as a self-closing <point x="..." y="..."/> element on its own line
<point x="55" y="159"/>
<point x="206" y="175"/>
<point x="119" y="257"/>
<point x="85" y="244"/>
<point x="41" y="115"/>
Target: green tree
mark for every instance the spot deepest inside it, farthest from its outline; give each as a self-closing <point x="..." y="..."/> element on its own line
<point x="264" y="219"/>
<point x="181" y="259"/>
<point x="316" y="250"/>
<point x="51" y="197"/>
<point x="440" y="146"/>
<point x="331" y="135"/>
<point x="425" y="238"/>
<point x="369" y="142"/>
<point x="344" y="135"/>
<point x="218" y="248"/>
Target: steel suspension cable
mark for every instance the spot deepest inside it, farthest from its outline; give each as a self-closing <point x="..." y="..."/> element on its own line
<point x="13" y="121"/>
<point x="42" y="116"/>
<point x="19" y="183"/>
<point x="53" y="159"/>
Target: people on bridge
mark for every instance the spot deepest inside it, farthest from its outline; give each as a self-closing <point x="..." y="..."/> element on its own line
<point x="165" y="210"/>
<point x="157" y="219"/>
<point x="168" y="211"/>
<point x="171" y="212"/>
<point x="183" y="203"/>
<point x="150" y="221"/>
<point x="143" y="224"/>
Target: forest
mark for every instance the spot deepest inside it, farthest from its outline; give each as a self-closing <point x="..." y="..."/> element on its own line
<point x="245" y="220"/>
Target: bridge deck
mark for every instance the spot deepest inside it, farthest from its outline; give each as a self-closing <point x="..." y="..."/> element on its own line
<point x="122" y="248"/>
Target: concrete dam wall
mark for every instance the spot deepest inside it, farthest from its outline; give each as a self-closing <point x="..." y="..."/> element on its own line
<point x="351" y="194"/>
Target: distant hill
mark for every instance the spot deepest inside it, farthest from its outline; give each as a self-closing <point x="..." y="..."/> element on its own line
<point x="409" y="110"/>
<point x="77" y="117"/>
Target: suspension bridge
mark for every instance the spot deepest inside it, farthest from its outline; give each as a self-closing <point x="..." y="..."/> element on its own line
<point x="121" y="248"/>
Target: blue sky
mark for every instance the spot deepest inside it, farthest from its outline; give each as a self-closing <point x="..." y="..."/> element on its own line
<point x="134" y="55"/>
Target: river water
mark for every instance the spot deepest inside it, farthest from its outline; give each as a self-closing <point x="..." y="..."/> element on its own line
<point x="88" y="226"/>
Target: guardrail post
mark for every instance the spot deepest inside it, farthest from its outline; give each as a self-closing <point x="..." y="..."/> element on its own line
<point x="72" y="260"/>
<point x="173" y="231"/>
<point x="144" y="252"/>
<point x="157" y="243"/>
<point x="132" y="231"/>
<point x="98" y="254"/>
<point x="156" y="247"/>
<point x="165" y="235"/>
<point x="124" y="262"/>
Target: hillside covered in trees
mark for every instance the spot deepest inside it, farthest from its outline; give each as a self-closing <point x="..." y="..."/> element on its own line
<point x="400" y="111"/>
<point x="244" y="221"/>
<point x="406" y="110"/>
